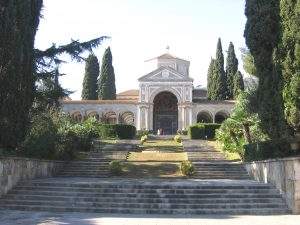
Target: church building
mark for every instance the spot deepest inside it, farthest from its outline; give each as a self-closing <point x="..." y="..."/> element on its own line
<point x="166" y="99"/>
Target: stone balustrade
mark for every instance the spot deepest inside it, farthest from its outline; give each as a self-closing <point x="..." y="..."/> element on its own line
<point x="284" y="174"/>
<point x="15" y="169"/>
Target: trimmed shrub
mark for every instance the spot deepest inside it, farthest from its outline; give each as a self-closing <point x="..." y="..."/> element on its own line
<point x="178" y="138"/>
<point x="115" y="167"/>
<point x="187" y="168"/>
<point x="267" y="150"/>
<point x="210" y="130"/>
<point x="144" y="138"/>
<point x="125" y="131"/>
<point x="182" y="132"/>
<point x="196" y="131"/>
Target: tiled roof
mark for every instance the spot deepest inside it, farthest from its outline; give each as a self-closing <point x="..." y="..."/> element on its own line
<point x="199" y="93"/>
<point x="118" y="101"/>
<point x="132" y="92"/>
<point x="166" y="56"/>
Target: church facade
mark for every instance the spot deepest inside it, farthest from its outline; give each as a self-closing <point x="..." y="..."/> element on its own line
<point x="166" y="99"/>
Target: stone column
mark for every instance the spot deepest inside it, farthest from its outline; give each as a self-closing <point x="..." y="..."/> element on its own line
<point x="180" y="117"/>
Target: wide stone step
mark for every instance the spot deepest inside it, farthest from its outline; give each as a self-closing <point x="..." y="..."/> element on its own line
<point x="147" y="195"/>
<point x="150" y="191"/>
<point x="144" y="200"/>
<point x="236" y="211"/>
<point x="144" y="205"/>
<point x="211" y="185"/>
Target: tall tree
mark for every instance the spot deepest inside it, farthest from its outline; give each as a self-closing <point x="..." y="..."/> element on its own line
<point x="19" y="20"/>
<point x="210" y="80"/>
<point x="106" y="83"/>
<point x="290" y="57"/>
<point x="238" y="84"/>
<point x="262" y="33"/>
<point x="231" y="70"/>
<point x="89" y="86"/>
<point x="220" y="86"/>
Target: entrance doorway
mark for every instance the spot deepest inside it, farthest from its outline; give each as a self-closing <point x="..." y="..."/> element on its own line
<point x="165" y="113"/>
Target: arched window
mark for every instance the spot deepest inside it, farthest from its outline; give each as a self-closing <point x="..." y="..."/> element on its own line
<point x="221" y="116"/>
<point x="94" y="114"/>
<point x="204" y="117"/>
<point x="77" y="116"/>
<point x="126" y="118"/>
<point x="110" y="118"/>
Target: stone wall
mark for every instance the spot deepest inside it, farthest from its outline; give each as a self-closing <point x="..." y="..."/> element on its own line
<point x="284" y="174"/>
<point x="15" y="169"/>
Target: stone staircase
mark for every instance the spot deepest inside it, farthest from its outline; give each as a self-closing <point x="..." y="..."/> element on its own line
<point x="96" y="164"/>
<point x="219" y="187"/>
<point x="145" y="196"/>
<point x="212" y="164"/>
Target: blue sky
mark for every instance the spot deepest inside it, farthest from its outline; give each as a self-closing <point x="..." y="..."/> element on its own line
<point x="140" y="30"/>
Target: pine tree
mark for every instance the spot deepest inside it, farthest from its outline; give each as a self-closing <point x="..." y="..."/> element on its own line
<point x="210" y="80"/>
<point x="238" y="84"/>
<point x="19" y="20"/>
<point x="262" y="34"/>
<point x="231" y="70"/>
<point x="106" y="83"/>
<point x="89" y="86"/>
<point x="220" y="86"/>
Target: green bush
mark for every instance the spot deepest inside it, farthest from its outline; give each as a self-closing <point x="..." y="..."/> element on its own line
<point x="267" y="150"/>
<point x="125" y="131"/>
<point x="121" y="131"/>
<point x="141" y="133"/>
<point x="182" y="132"/>
<point x="144" y="138"/>
<point x="41" y="140"/>
<point x="187" y="168"/>
<point x="210" y="130"/>
<point x="178" y="138"/>
<point x="196" y="131"/>
<point x="115" y="167"/>
<point x="107" y="131"/>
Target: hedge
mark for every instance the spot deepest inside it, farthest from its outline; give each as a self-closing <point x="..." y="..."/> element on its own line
<point x="210" y="129"/>
<point x="121" y="131"/>
<point x="267" y="150"/>
<point x="203" y="130"/>
<point x="196" y="131"/>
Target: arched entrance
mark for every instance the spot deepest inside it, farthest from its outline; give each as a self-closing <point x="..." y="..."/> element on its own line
<point x="165" y="112"/>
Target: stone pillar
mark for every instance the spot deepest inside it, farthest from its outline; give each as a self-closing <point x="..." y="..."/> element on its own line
<point x="143" y="117"/>
<point x="150" y="115"/>
<point x="180" y="117"/>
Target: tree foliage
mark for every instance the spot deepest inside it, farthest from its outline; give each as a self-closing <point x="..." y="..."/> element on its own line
<point x="28" y="74"/>
<point x="19" y="20"/>
<point x="89" y="86"/>
<point x="106" y="83"/>
<point x="210" y="80"/>
<point x="238" y="84"/>
<point x="289" y="56"/>
<point x="231" y="70"/>
<point x="262" y="33"/>
<point x="220" y="76"/>
<point x="248" y="62"/>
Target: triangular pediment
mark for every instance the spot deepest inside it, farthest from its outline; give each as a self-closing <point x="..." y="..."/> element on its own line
<point x="164" y="74"/>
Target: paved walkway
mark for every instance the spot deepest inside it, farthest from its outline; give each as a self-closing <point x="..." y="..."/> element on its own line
<point x="46" y="218"/>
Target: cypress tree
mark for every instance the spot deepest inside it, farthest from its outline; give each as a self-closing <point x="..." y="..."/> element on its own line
<point x="231" y="70"/>
<point x="210" y="80"/>
<point x="238" y="84"/>
<point x="89" y="86"/>
<point x="262" y="34"/>
<point x="220" y="87"/>
<point x="106" y="84"/>
<point x="19" y="20"/>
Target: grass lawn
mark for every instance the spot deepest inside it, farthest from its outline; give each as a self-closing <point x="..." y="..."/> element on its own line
<point x="228" y="155"/>
<point x="156" y="156"/>
<point x="163" y="145"/>
<point x="151" y="170"/>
